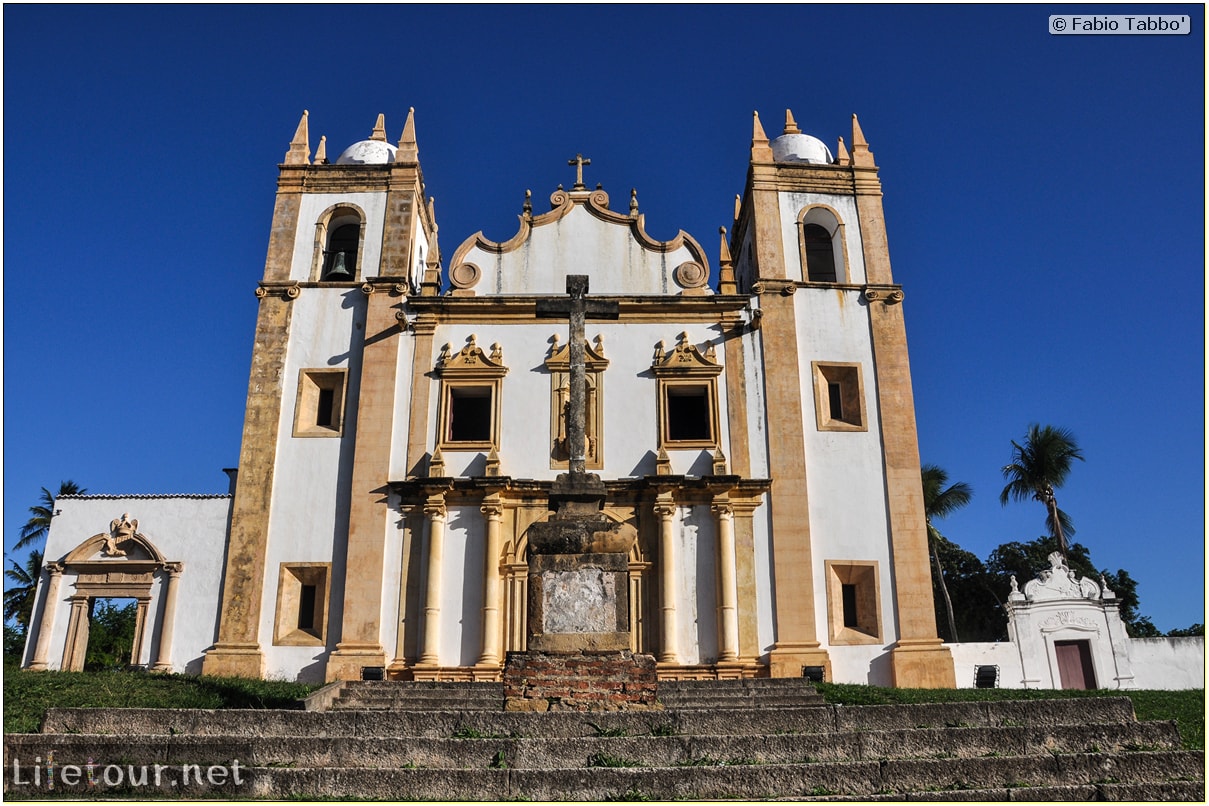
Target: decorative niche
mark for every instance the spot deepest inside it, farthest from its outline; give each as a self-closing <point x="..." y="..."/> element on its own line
<point x="559" y="365"/>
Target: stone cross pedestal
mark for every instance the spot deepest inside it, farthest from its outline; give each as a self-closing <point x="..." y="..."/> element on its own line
<point x="579" y="654"/>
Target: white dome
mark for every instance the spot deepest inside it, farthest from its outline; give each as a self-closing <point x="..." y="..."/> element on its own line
<point x="368" y="152"/>
<point x="800" y="148"/>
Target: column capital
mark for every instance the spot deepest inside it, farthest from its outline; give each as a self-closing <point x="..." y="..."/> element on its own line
<point x="434" y="507"/>
<point x="665" y="509"/>
<point x="174" y="569"/>
<point x="723" y="509"/>
<point x="53" y="568"/>
<point x="492" y="508"/>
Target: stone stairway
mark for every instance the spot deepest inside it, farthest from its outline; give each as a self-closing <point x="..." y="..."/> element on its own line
<point x="765" y="739"/>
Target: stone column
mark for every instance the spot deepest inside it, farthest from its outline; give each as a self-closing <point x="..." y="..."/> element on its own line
<point x="77" y="635"/>
<point x="435" y="510"/>
<point x="728" y="614"/>
<point x="494" y="515"/>
<point x="140" y="630"/>
<point x="50" y="603"/>
<point x="163" y="660"/>
<point x="664" y="508"/>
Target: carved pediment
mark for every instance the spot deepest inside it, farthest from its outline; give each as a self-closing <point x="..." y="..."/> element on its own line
<point x="471" y="360"/>
<point x="1059" y="582"/>
<point x="560" y="355"/>
<point x="685" y="359"/>
<point x="121" y="543"/>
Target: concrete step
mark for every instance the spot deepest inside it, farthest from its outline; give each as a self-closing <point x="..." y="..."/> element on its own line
<point x="1151" y="772"/>
<point x="480" y="752"/>
<point x="673" y="721"/>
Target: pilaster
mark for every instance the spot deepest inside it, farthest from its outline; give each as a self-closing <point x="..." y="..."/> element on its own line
<point x="237" y="652"/>
<point x="919" y="659"/>
<point x="369" y="507"/>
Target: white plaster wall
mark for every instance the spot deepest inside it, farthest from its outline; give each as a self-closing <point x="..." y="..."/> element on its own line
<point x="765" y="585"/>
<point x="866" y="664"/>
<point x="696" y="584"/>
<point x="845" y="207"/>
<point x="313" y="205"/>
<point x="188" y="529"/>
<point x="579" y="243"/>
<point x="1168" y="663"/>
<point x="1004" y="654"/>
<point x="757" y="414"/>
<point x="845" y="474"/>
<point x="462" y="571"/>
<point x="630" y="430"/>
<point x="310" y="502"/>
<point x="399" y="468"/>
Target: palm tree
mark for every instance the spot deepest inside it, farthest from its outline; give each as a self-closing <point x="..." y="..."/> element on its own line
<point x="940" y="502"/>
<point x="38" y="525"/>
<point x="1039" y="467"/>
<point x="19" y="598"/>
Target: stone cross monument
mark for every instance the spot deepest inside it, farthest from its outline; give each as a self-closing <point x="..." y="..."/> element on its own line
<point x="579" y="619"/>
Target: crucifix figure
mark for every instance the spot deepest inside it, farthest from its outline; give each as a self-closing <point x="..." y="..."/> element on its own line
<point x="577" y="309"/>
<point x="579" y="162"/>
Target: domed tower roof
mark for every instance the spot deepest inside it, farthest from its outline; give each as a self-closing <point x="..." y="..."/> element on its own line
<point x="374" y="151"/>
<point x="793" y="146"/>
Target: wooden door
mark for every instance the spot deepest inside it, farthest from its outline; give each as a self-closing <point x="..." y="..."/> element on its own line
<point x="1074" y="664"/>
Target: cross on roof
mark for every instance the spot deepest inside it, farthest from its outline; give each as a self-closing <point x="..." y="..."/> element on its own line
<point x="579" y="162"/>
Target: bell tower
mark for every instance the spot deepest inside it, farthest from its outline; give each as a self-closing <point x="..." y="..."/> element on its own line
<point x="849" y="553"/>
<point x="350" y="241"/>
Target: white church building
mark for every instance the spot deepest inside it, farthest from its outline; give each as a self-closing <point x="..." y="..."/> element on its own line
<point x="750" y="412"/>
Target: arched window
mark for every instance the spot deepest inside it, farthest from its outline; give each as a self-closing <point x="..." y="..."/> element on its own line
<point x="340" y="253"/>
<point x="820" y="254"/>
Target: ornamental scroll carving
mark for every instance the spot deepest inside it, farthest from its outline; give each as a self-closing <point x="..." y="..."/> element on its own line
<point x="1059" y="582"/>
<point x="890" y="296"/>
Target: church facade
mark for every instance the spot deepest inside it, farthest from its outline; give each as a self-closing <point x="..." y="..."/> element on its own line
<point x="750" y="415"/>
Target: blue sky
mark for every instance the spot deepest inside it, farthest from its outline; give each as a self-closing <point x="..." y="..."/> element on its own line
<point x="1044" y="198"/>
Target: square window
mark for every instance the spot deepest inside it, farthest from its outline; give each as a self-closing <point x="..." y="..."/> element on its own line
<point x="689" y="415"/>
<point x="469" y="414"/>
<point x="853" y="602"/>
<point x="839" y="398"/>
<point x="320" y="406"/>
<point x="302" y="604"/>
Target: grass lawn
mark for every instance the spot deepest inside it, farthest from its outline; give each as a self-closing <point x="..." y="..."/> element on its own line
<point x="1187" y="708"/>
<point x="27" y="695"/>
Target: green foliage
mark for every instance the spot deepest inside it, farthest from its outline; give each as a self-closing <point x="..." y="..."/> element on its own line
<point x="27" y="694"/>
<point x="939" y="502"/>
<point x="606" y="760"/>
<point x="1038" y="468"/>
<point x="1187" y="708"/>
<point x="977" y="610"/>
<point x="610" y="732"/>
<point x="19" y="596"/>
<point x="110" y="635"/>
<point x="1185" y="632"/>
<point x="40" y="514"/>
<point x="14" y="645"/>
